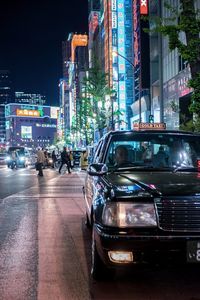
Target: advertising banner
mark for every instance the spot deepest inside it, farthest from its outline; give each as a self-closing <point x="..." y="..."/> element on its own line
<point x="144" y="7"/>
<point x="26" y="132"/>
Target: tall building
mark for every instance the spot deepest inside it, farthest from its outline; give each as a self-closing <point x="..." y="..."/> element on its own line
<point x="66" y="55"/>
<point x="94" y="45"/>
<point x="156" y="69"/>
<point x="176" y="73"/>
<point x="2" y="124"/>
<point x="116" y="34"/>
<point x="6" y="90"/>
<point x="141" y="104"/>
<point x="77" y="70"/>
<point x="30" y="125"/>
<point x="75" y="63"/>
<point x="6" y="96"/>
<point x="169" y="73"/>
<point x="64" y="100"/>
<point x="30" y="98"/>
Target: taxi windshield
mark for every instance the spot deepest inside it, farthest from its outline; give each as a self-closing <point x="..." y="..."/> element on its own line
<point x="153" y="151"/>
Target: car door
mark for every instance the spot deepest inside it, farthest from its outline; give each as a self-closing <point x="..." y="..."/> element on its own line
<point x="89" y="187"/>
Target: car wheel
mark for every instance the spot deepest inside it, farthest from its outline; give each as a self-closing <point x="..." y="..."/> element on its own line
<point x="98" y="269"/>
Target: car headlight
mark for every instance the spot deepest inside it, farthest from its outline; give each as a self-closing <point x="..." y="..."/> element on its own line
<point x="8" y="158"/>
<point x="121" y="214"/>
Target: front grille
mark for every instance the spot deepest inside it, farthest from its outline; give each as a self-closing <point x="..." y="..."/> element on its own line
<point x="179" y="214"/>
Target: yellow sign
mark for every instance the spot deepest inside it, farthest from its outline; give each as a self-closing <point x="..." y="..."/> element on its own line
<point x="27" y="113"/>
<point x="78" y="40"/>
<point x="150" y="126"/>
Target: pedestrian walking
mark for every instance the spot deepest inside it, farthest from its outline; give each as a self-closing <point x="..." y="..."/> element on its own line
<point x="14" y="158"/>
<point x="54" y="158"/>
<point x="84" y="160"/>
<point x="40" y="161"/>
<point x="71" y="159"/>
<point x="65" y="160"/>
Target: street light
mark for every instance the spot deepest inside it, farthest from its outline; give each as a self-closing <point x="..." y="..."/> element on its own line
<point x="115" y="53"/>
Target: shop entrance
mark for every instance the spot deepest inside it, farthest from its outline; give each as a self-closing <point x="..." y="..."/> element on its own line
<point x="184" y="113"/>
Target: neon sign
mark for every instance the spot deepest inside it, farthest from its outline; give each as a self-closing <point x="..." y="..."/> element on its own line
<point x="27" y="113"/>
<point x="78" y="40"/>
<point x="136" y="34"/>
<point x="143" y="7"/>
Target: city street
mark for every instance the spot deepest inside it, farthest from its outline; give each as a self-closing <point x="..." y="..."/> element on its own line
<point x="45" y="247"/>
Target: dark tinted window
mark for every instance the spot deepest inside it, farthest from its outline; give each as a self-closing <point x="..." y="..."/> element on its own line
<point x="156" y="150"/>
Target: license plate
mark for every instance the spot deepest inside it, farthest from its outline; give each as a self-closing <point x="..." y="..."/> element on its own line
<point x="193" y="251"/>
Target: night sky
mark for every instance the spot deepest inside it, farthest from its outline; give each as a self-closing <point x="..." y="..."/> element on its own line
<point x="31" y="35"/>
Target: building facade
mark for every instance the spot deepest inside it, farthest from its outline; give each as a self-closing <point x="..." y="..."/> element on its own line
<point x="170" y="73"/>
<point x="30" y="98"/>
<point x="30" y="125"/>
<point x="117" y="41"/>
<point x="75" y="64"/>
<point x="124" y="46"/>
<point x="6" y="96"/>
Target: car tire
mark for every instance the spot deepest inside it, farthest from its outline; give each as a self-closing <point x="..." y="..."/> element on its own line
<point x="97" y="267"/>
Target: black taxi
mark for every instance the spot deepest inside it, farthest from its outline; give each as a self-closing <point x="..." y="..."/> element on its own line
<point x="142" y="196"/>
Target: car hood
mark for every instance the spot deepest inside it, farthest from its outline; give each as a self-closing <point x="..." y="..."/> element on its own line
<point x="160" y="183"/>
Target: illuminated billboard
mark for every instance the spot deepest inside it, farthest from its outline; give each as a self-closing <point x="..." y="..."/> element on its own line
<point x="26" y="132"/>
<point x="27" y="113"/>
<point x="78" y="40"/>
<point x="54" y="112"/>
<point x="121" y="60"/>
<point x="143" y="7"/>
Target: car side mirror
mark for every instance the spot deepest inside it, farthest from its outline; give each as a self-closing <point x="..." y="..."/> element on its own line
<point x="97" y="169"/>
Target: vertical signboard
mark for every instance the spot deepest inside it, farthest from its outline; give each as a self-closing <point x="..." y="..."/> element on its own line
<point x="114" y="45"/>
<point x="121" y="60"/>
<point x="136" y="45"/>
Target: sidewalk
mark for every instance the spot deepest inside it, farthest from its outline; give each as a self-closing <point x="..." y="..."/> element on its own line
<point x="63" y="271"/>
<point x="63" y="241"/>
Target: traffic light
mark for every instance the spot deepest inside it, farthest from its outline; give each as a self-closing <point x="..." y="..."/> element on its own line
<point x="151" y="118"/>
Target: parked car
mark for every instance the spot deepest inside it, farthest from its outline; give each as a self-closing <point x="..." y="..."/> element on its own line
<point x="142" y="196"/>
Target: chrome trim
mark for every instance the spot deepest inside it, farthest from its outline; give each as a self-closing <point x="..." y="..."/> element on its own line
<point x="182" y="213"/>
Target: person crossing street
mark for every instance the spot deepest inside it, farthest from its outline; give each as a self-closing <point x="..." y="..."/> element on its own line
<point x="65" y="159"/>
<point x="40" y="161"/>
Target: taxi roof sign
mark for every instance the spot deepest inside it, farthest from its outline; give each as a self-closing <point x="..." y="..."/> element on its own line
<point x="150" y="126"/>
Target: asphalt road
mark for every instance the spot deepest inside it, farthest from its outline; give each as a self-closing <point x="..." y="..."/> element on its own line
<point x="16" y="180"/>
<point x="45" y="247"/>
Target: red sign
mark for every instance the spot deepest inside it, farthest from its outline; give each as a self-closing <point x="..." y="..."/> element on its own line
<point x="144" y="7"/>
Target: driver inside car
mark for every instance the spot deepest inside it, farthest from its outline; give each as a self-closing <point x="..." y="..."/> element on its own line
<point x="121" y="156"/>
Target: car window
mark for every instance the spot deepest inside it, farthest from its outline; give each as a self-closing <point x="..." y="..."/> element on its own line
<point x="97" y="153"/>
<point x="155" y="150"/>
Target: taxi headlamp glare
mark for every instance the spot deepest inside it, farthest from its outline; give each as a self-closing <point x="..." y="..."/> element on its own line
<point x="120" y="214"/>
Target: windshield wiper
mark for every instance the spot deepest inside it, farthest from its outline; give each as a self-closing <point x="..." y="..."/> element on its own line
<point x="186" y="169"/>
